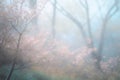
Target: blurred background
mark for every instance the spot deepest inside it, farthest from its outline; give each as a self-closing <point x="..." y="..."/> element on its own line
<point x="59" y="40"/>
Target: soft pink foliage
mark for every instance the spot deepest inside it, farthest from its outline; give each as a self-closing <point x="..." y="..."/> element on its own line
<point x="111" y="64"/>
<point x="43" y="49"/>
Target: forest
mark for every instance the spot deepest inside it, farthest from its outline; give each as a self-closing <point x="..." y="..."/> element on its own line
<point x="59" y="40"/>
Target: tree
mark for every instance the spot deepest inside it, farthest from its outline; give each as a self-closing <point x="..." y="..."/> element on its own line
<point x="54" y="19"/>
<point x="89" y="39"/>
<point x="54" y="57"/>
<point x="15" y="16"/>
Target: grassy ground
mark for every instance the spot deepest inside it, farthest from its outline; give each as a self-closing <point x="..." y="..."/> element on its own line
<point x="29" y="74"/>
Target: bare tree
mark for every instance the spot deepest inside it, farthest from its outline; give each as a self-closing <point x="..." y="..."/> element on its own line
<point x="71" y="17"/>
<point x="110" y="13"/>
<point x="54" y="19"/>
<point x="105" y="21"/>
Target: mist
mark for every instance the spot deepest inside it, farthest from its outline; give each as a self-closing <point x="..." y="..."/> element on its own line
<point x="59" y="40"/>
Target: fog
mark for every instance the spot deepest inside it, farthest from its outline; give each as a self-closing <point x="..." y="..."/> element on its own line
<point x="59" y="40"/>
